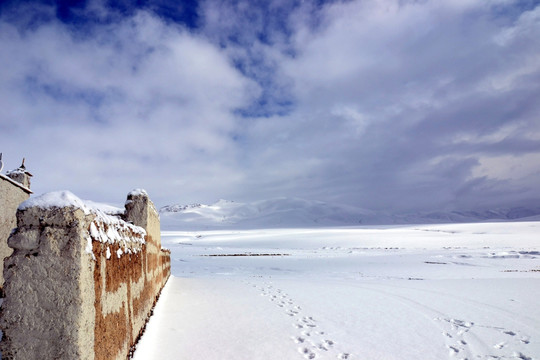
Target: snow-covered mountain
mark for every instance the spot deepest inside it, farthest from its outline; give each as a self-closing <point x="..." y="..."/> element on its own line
<point x="281" y="212"/>
<point x="294" y="212"/>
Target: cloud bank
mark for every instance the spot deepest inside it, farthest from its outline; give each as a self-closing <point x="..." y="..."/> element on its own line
<point x="389" y="105"/>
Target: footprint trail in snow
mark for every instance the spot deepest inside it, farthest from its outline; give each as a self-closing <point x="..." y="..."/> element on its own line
<point x="460" y="337"/>
<point x="311" y="340"/>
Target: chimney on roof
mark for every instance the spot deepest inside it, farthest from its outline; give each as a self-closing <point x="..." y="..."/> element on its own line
<point x="20" y="175"/>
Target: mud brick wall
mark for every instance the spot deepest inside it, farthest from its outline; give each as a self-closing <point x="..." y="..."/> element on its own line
<point x="81" y="284"/>
<point x="11" y="195"/>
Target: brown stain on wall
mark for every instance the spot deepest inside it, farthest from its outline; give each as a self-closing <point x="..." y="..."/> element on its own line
<point x="115" y="332"/>
<point x="110" y="335"/>
<point x="142" y="303"/>
<point x="111" y="330"/>
<point x="152" y="261"/>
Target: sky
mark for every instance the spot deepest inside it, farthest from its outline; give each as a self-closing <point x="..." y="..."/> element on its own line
<point x="392" y="105"/>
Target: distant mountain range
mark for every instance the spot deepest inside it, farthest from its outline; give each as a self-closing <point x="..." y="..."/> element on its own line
<point x="294" y="212"/>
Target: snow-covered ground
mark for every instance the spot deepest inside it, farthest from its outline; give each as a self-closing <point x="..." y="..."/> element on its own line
<point x="453" y="291"/>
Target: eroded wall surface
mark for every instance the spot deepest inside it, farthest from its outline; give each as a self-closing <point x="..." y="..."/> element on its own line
<point x="11" y="196"/>
<point x="81" y="284"/>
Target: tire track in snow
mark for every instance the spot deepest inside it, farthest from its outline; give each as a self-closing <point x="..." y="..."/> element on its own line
<point x="312" y="341"/>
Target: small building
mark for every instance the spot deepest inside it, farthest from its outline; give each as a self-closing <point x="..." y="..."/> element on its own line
<point x="14" y="189"/>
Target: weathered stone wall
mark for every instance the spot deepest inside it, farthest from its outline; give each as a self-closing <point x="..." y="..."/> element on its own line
<point x="81" y="284"/>
<point x="11" y="195"/>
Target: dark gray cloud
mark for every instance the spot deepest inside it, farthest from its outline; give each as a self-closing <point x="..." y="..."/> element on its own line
<point x="388" y="105"/>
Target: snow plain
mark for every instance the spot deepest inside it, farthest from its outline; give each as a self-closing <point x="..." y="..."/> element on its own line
<point x="452" y="291"/>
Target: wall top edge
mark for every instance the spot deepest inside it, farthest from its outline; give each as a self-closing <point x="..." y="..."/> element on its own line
<point x="24" y="188"/>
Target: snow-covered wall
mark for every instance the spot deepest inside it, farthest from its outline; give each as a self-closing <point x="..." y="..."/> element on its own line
<point x="81" y="283"/>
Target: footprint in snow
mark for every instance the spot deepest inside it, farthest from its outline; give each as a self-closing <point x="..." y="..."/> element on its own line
<point x="454" y="335"/>
<point x="521" y="356"/>
<point x="328" y="342"/>
<point x="308" y="354"/>
<point x="508" y="339"/>
<point x="314" y="343"/>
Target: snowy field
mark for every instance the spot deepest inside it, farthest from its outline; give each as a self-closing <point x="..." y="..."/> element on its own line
<point x="453" y="291"/>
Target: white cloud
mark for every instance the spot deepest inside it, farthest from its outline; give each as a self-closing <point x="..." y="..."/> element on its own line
<point x="132" y="100"/>
<point x="412" y="78"/>
<point x="388" y="104"/>
<point x="509" y="167"/>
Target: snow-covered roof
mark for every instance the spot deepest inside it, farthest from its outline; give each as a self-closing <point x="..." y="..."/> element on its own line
<point x="16" y="183"/>
<point x="18" y="171"/>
